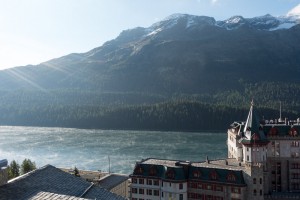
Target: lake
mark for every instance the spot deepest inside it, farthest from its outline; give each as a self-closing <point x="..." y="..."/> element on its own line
<point x="91" y="149"/>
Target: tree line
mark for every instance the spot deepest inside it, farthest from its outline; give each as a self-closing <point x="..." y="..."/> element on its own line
<point x="15" y="169"/>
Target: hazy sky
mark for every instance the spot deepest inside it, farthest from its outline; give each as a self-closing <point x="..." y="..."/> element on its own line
<point x="33" y="31"/>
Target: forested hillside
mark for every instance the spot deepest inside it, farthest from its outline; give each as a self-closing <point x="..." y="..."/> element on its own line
<point x="182" y="73"/>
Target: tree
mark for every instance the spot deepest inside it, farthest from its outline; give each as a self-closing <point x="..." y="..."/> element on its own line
<point x="76" y="172"/>
<point x="13" y="170"/>
<point x="27" y="166"/>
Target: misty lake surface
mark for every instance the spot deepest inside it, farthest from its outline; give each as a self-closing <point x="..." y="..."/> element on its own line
<point x="90" y="149"/>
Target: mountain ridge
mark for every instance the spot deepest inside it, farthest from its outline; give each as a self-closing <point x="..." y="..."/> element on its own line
<point x="181" y="58"/>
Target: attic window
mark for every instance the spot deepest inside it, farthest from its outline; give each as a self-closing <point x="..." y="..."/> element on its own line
<point x="196" y="174"/>
<point x="153" y="171"/>
<point x="231" y="177"/>
<point x="214" y="175"/>
<point x="138" y="170"/>
<point x="255" y="136"/>
<point x="293" y="132"/>
<point x="170" y="174"/>
<point x="273" y="131"/>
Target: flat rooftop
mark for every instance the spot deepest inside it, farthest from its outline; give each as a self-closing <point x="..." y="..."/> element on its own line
<point x="229" y="163"/>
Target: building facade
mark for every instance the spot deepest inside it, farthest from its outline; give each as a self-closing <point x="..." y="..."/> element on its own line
<point x="263" y="163"/>
<point x="3" y="172"/>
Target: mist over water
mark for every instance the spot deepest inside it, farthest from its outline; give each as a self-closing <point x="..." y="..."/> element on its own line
<point x="90" y="149"/>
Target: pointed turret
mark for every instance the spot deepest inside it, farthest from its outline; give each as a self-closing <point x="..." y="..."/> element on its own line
<point x="254" y="140"/>
<point x="252" y="130"/>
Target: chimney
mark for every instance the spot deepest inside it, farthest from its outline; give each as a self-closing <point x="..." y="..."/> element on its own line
<point x="207" y="161"/>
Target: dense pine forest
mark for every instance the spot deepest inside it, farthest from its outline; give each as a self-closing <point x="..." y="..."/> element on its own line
<point x="179" y="112"/>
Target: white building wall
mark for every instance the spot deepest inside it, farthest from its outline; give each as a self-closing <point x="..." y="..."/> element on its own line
<point x="171" y="191"/>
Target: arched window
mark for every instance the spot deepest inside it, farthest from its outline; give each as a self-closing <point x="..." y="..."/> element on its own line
<point x="273" y="131"/>
<point x="214" y="175"/>
<point x="254" y="180"/>
<point x="138" y="170"/>
<point x="196" y="173"/>
<point x="231" y="177"/>
<point x="293" y="132"/>
<point x="153" y="171"/>
<point x="170" y="174"/>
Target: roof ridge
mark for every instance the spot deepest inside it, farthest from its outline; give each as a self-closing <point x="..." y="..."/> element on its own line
<point x="86" y="190"/>
<point x="29" y="173"/>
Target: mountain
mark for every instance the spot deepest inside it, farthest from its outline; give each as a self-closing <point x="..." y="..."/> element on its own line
<point x="189" y="57"/>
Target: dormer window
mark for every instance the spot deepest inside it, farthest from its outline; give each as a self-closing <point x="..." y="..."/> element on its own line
<point x="170" y="174"/>
<point x="213" y="175"/>
<point x="138" y="170"/>
<point x="231" y="177"/>
<point x="196" y="174"/>
<point x="293" y="132"/>
<point x="273" y="131"/>
<point x="153" y="171"/>
<point x="256" y="136"/>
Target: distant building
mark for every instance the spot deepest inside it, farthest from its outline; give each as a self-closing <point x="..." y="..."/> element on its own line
<point x="115" y="183"/>
<point x="49" y="182"/>
<point x="263" y="163"/>
<point x="3" y="172"/>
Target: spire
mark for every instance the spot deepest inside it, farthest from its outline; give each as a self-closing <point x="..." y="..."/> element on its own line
<point x="252" y="130"/>
<point x="250" y="123"/>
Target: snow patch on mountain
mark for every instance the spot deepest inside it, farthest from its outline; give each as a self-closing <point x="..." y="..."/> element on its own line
<point x="286" y="25"/>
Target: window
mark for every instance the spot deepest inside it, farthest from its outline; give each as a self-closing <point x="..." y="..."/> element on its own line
<point x="214" y="175"/>
<point x="153" y="171"/>
<point x="218" y="188"/>
<point x="231" y="177"/>
<point x="141" y="181"/>
<point x="141" y="191"/>
<point x="208" y="187"/>
<point x="247" y="149"/>
<point x="295" y="144"/>
<point x="162" y="194"/>
<point x="134" y="190"/>
<point x="209" y="197"/>
<point x="138" y="170"/>
<point x="247" y="158"/>
<point x="170" y="174"/>
<point x="149" y="192"/>
<point x="254" y="180"/>
<point x="180" y="196"/>
<point x="156" y="192"/>
<point x="254" y="192"/>
<point x="134" y="180"/>
<point x="149" y="182"/>
<point x="193" y="185"/>
<point x="155" y="182"/>
<point x="260" y="192"/>
<point x="260" y="181"/>
<point x="134" y="198"/>
<point x="200" y="186"/>
<point x="236" y="190"/>
<point x="196" y="174"/>
<point x="180" y="186"/>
